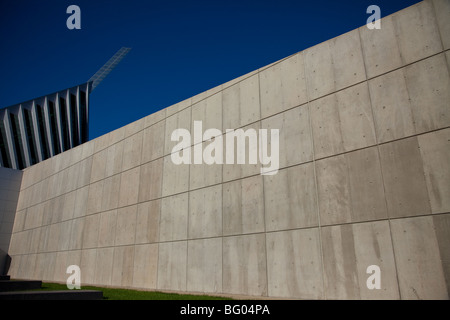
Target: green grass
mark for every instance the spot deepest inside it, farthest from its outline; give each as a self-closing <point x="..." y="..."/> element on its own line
<point x="126" y="294"/>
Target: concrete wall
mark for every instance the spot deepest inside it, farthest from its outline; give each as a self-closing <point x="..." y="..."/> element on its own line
<point x="364" y="124"/>
<point x="10" y="181"/>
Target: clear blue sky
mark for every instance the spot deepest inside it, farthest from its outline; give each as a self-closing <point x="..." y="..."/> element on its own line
<point x="179" y="48"/>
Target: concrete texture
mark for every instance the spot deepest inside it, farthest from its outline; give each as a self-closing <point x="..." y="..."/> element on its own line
<point x="418" y="260"/>
<point x="249" y="275"/>
<point x="350" y="188"/>
<point x="363" y="180"/>
<point x="295" y="142"/>
<point x="366" y="244"/>
<point x="296" y="267"/>
<point x="391" y="106"/>
<point x="283" y="86"/>
<point x="404" y="180"/>
<point x="290" y="198"/>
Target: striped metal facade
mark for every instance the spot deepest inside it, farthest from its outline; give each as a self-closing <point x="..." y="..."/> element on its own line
<point x="38" y="129"/>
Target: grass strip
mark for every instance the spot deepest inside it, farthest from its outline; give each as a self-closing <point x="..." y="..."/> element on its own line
<point x="128" y="294"/>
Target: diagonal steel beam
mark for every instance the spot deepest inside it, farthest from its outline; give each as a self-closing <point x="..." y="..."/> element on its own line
<point x="108" y="67"/>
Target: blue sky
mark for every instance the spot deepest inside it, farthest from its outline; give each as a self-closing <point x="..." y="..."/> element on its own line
<point x="179" y="48"/>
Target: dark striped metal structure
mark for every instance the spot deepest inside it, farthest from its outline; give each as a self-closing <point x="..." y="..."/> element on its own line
<point x="38" y="129"/>
<point x="35" y="130"/>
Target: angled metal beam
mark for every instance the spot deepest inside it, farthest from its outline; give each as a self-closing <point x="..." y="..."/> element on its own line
<point x="108" y="67"/>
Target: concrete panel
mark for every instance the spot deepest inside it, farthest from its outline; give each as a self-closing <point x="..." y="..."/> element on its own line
<point x="88" y="149"/>
<point x="180" y="120"/>
<point x="174" y="218"/>
<point x="333" y="187"/>
<point x="35" y="238"/>
<point x="68" y="207"/>
<point x="243" y="206"/>
<point x="326" y="129"/>
<point x="134" y="127"/>
<point x="132" y="151"/>
<point x="209" y="112"/>
<point x="319" y="70"/>
<point x="126" y="225"/>
<point x="53" y="238"/>
<point x="366" y="185"/>
<point x="55" y="208"/>
<point x="295" y="142"/>
<point x="43" y="241"/>
<point x="350" y="188"/>
<point x="295" y="268"/>
<point x="235" y="170"/>
<point x="205" y="94"/>
<point x="34" y="216"/>
<point x="147" y="222"/>
<point x="87" y="265"/>
<point x="65" y="228"/>
<point x="204" y="265"/>
<point x="71" y="175"/>
<point x="442" y="11"/>
<point x="84" y="174"/>
<point x="290" y="198"/>
<point x="67" y="258"/>
<point x="249" y="275"/>
<point x="348" y="62"/>
<point x="435" y="151"/>
<point x="355" y="115"/>
<point x="175" y="177"/>
<point x="98" y="170"/>
<point x="404" y="181"/>
<point x="145" y="266"/>
<point x="240" y="103"/>
<point x="380" y="48"/>
<point x="100" y="143"/>
<point x="111" y="192"/>
<point x="48" y="266"/>
<point x="153" y="142"/>
<point x="205" y="213"/>
<point x="90" y="232"/>
<point x="442" y="229"/>
<point x="428" y="83"/>
<point x="104" y="266"/>
<point x="232" y="82"/>
<point x="107" y="228"/>
<point x="129" y="187"/>
<point x="123" y="262"/>
<point x="114" y="155"/>
<point x="76" y="235"/>
<point x="150" y="180"/>
<point x="202" y="175"/>
<point x="417" y="32"/>
<point x="172" y="262"/>
<point x="60" y="274"/>
<point x="283" y="86"/>
<point x="81" y="200"/>
<point x="116" y="136"/>
<point x="391" y="106"/>
<point x="94" y="201"/>
<point x="348" y="250"/>
<point x="155" y="118"/>
<point x="419" y="265"/>
<point x="178" y="107"/>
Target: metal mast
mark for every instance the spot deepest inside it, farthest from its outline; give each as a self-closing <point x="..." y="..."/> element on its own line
<point x="108" y="67"/>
